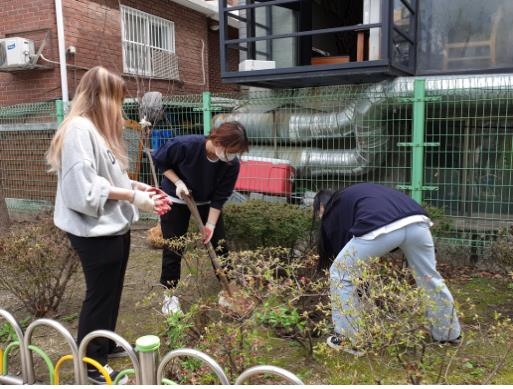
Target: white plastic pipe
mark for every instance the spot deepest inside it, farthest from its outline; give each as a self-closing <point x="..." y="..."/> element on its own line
<point x="62" y="53"/>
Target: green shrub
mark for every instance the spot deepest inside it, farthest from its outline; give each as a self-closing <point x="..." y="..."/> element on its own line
<point x="281" y="317"/>
<point x="257" y="223"/>
<point x="442" y="223"/>
<point x="502" y="248"/>
<point x="36" y="263"/>
<point x="177" y="326"/>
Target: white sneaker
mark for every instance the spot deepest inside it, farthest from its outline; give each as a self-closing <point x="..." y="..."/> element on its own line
<point x="171" y="305"/>
<point x="223" y="301"/>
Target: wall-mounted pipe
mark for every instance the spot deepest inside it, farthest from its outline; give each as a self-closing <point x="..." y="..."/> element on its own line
<point x="62" y="53"/>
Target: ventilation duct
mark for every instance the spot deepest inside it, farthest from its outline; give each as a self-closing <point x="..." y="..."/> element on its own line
<point x="363" y="118"/>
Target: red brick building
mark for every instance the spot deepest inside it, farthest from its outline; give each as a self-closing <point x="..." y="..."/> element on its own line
<point x="171" y="46"/>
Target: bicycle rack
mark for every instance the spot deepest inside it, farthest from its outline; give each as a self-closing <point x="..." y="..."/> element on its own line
<point x="4" y="377"/>
<point x="188" y="352"/>
<point x="120" y="342"/>
<point x="266" y="369"/>
<point x="144" y="358"/>
<point x="31" y="348"/>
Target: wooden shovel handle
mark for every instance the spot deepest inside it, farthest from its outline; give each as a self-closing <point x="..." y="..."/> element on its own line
<point x="210" y="249"/>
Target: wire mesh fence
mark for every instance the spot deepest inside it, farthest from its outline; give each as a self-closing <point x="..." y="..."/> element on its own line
<point x="450" y="146"/>
<point x="25" y="133"/>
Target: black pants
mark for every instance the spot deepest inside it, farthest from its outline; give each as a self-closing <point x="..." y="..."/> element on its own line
<point x="104" y="261"/>
<point x="175" y="224"/>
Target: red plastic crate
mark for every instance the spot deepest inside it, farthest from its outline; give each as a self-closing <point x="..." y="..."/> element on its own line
<point x="265" y="175"/>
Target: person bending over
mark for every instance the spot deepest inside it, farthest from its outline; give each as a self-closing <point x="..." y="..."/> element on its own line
<point x="369" y="220"/>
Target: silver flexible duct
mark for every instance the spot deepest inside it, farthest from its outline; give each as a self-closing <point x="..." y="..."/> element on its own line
<point x="362" y="117"/>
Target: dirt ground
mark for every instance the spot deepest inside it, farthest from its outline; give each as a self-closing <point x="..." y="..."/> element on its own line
<point x="140" y="311"/>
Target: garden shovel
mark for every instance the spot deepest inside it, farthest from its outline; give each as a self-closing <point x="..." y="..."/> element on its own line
<point x="210" y="249"/>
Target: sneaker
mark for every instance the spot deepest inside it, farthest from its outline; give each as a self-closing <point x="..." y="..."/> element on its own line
<point x="223" y="301"/>
<point x="117" y="352"/>
<point x="171" y="305"/>
<point x="97" y="378"/>
<point x="337" y="343"/>
<point x="452" y="342"/>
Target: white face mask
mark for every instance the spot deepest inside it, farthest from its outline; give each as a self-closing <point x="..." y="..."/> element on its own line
<point x="223" y="156"/>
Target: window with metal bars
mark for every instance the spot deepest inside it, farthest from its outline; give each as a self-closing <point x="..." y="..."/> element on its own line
<point x="148" y="43"/>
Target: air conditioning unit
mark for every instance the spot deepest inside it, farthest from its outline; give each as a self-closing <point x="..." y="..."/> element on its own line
<point x="15" y="52"/>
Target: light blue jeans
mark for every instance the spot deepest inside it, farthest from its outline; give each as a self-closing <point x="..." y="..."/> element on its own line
<point x="416" y="242"/>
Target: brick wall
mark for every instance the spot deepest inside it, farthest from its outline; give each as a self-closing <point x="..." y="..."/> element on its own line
<point x="93" y="27"/>
<point x="215" y="63"/>
<point x="29" y="19"/>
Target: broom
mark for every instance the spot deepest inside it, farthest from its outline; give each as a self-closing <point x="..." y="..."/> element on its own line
<point x="151" y="111"/>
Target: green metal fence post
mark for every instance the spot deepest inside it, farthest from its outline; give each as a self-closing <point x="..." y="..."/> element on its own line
<point x="417" y="144"/>
<point x="59" y="111"/>
<point x="207" y="112"/>
<point x="419" y="110"/>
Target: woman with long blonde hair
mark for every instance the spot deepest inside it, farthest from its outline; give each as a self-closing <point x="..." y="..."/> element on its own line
<point x="96" y="202"/>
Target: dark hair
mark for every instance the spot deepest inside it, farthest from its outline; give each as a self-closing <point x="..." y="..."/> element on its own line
<point x="321" y="198"/>
<point x="325" y="256"/>
<point x="231" y="136"/>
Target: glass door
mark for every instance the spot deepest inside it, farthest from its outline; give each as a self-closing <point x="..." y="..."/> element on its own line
<point x="403" y="34"/>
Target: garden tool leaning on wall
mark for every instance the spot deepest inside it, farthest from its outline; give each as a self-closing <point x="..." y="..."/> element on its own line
<point x="151" y="111"/>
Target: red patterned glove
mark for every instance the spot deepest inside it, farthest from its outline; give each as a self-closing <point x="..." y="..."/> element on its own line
<point x="208" y="232"/>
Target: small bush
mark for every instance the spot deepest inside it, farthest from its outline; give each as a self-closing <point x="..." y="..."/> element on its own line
<point x="281" y="317"/>
<point x="502" y="249"/>
<point x="37" y="262"/>
<point x="442" y="223"/>
<point x="257" y="223"/>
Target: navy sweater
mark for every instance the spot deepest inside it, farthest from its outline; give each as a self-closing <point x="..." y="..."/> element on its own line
<point x="207" y="181"/>
<point x="360" y="209"/>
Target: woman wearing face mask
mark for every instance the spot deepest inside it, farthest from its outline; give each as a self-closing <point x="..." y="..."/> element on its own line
<point x="206" y="168"/>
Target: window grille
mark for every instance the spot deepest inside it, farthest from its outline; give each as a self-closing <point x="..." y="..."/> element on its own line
<point x="148" y="43"/>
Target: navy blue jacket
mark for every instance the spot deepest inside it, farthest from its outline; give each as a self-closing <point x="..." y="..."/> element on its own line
<point x="360" y="209"/>
<point x="207" y="181"/>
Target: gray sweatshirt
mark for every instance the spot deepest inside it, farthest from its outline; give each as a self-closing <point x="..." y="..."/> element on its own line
<point x="88" y="170"/>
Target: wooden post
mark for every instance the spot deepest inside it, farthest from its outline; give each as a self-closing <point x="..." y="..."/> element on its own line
<point x="360" y="46"/>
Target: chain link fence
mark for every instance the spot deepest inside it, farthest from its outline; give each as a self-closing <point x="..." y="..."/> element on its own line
<point x="448" y="142"/>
